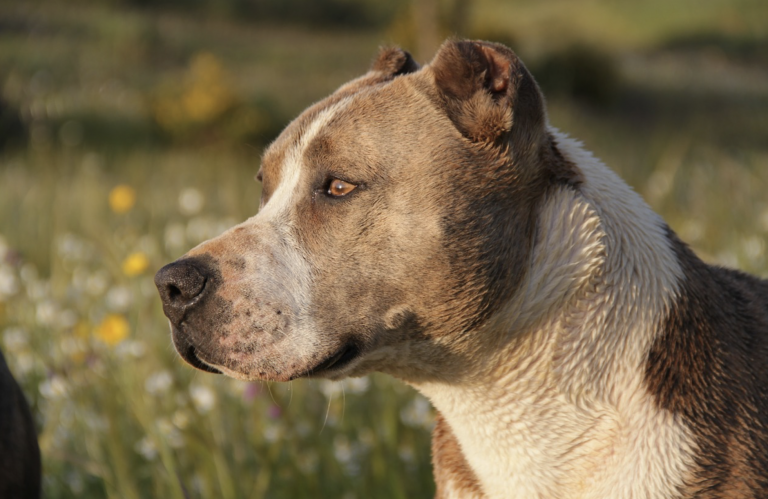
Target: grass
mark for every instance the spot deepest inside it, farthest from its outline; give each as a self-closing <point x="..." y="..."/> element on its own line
<point x="120" y="415"/>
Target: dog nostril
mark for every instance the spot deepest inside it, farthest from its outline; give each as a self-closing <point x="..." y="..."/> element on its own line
<point x="181" y="285"/>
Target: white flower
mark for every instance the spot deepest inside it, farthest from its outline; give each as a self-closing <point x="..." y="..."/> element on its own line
<point x="28" y="273"/>
<point x="171" y="434"/>
<point x="147" y="448"/>
<point x="159" y="383"/>
<point x="9" y="285"/>
<point x="330" y="388"/>
<point x="203" y="397"/>
<point x="97" y="283"/>
<point x="25" y="362"/>
<point x="341" y="449"/>
<point x="271" y="433"/>
<point x="119" y="298"/>
<point x="15" y="339"/>
<point x="417" y="413"/>
<point x="357" y="385"/>
<point x="191" y="201"/>
<point x="54" y="388"/>
<point x="47" y="313"/>
<point x="132" y="348"/>
<point x="754" y="248"/>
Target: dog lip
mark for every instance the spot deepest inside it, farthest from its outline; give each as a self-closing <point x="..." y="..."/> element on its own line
<point x="191" y="356"/>
<point x="338" y="360"/>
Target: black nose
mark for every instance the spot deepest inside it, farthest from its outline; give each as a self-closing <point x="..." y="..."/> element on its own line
<point x="181" y="284"/>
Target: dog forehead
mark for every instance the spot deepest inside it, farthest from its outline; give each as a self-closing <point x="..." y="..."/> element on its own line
<point x="354" y="123"/>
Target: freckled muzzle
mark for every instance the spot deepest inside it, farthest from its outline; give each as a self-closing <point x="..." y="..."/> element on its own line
<point x="184" y="286"/>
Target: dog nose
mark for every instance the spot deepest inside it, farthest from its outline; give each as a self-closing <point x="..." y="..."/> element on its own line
<point x="181" y="285"/>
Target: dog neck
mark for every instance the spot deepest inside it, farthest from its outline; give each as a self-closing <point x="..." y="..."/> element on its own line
<point x="557" y="406"/>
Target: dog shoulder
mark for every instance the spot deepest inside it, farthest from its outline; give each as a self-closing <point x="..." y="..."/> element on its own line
<point x="708" y="367"/>
<point x="454" y="478"/>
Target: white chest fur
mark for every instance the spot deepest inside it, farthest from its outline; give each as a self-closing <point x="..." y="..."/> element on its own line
<point x="562" y="410"/>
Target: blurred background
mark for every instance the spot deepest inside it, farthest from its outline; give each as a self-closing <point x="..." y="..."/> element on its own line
<point x="131" y="130"/>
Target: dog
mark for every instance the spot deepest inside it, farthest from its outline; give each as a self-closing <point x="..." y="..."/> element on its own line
<point x="20" y="467"/>
<point x="427" y="222"/>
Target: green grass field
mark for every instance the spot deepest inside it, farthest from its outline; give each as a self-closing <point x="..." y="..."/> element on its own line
<point x="143" y="134"/>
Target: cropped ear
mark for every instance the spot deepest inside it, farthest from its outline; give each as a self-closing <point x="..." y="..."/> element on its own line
<point x="489" y="95"/>
<point x="393" y="61"/>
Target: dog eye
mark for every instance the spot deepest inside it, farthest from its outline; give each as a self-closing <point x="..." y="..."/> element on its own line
<point x="260" y="175"/>
<point x="338" y="188"/>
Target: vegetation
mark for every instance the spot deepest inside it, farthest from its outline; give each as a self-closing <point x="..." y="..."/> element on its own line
<point x="130" y="134"/>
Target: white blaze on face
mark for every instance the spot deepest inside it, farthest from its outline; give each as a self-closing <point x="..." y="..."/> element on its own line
<point x="287" y="192"/>
<point x="279" y="274"/>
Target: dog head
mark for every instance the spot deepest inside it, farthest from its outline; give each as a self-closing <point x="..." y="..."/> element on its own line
<point x="397" y="216"/>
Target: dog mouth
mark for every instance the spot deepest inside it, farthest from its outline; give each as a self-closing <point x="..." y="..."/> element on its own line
<point x="188" y="352"/>
<point x="336" y="361"/>
<point x="191" y="356"/>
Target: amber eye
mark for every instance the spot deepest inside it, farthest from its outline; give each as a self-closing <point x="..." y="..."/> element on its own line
<point x="338" y="188"/>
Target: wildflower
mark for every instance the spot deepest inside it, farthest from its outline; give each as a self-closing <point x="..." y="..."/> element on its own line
<point x="203" y="398"/>
<point x="73" y="248"/>
<point x="342" y="449"/>
<point x="158" y="383"/>
<point x="191" y="201"/>
<point x="15" y="339"/>
<point x="113" y="329"/>
<point x="147" y="448"/>
<point x="47" y="312"/>
<point x="118" y="298"/>
<point x="274" y="412"/>
<point x="122" y="198"/>
<point x="97" y="283"/>
<point x="418" y="413"/>
<point x="357" y="385"/>
<point x="54" y="388"/>
<point x="251" y="390"/>
<point x="9" y="285"/>
<point x="135" y="264"/>
<point x="132" y="348"/>
<point x="170" y="433"/>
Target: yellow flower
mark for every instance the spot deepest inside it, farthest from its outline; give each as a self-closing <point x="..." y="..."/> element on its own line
<point x="135" y="264"/>
<point x="122" y="198"/>
<point x="113" y="329"/>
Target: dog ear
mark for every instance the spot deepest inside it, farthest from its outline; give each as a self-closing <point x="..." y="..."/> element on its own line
<point x="489" y="94"/>
<point x="393" y="61"/>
